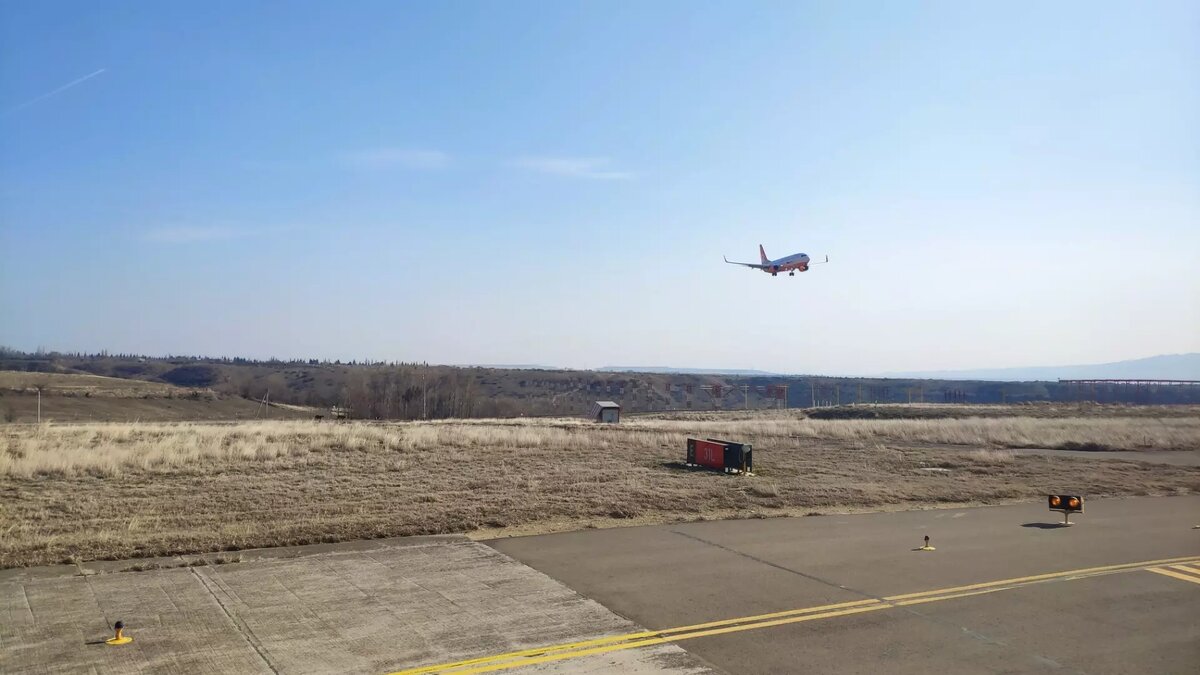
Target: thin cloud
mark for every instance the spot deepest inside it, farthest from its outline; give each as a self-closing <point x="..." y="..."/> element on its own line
<point x="382" y="158"/>
<point x="48" y="94"/>
<point x="573" y="167"/>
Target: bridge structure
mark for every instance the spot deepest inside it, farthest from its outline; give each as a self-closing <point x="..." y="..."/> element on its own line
<point x="1132" y="390"/>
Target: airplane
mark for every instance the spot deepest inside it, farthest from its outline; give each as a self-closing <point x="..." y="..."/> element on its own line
<point x="791" y="264"/>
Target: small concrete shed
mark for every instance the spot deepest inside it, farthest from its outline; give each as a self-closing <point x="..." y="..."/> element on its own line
<point x="607" y="412"/>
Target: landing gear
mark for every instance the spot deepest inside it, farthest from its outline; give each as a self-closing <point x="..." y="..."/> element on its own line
<point x="774" y="274"/>
<point x="791" y="274"/>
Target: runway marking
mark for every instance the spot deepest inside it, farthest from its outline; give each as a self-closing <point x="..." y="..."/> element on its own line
<point x="1186" y="573"/>
<point x="603" y="645"/>
<point x="537" y="651"/>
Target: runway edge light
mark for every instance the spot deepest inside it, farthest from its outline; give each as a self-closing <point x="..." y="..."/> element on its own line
<point x="119" y="639"/>
<point x="1067" y="504"/>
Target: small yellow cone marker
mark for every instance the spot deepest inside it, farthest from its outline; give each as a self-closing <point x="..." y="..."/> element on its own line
<point x="119" y="639"/>
<point x="927" y="547"/>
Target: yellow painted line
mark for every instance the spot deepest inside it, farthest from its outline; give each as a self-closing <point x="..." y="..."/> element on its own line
<point x="1044" y="577"/>
<point x="964" y="594"/>
<point x="537" y="651"/>
<point x="761" y="617"/>
<point x="1177" y="575"/>
<point x="656" y="641"/>
<point x="571" y="650"/>
<point x="631" y="636"/>
<point x="1190" y="569"/>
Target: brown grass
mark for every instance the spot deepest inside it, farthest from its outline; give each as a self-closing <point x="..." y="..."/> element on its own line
<point x="930" y="411"/>
<point x="108" y="449"/>
<point x="70" y="384"/>
<point x="70" y="397"/>
<point x="79" y="492"/>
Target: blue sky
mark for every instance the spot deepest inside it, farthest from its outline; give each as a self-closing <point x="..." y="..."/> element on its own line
<point x="555" y="183"/>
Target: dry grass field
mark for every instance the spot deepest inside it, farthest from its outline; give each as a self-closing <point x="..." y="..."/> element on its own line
<point x="86" y="398"/>
<point x="83" y="385"/>
<point x="893" y="411"/>
<point x="76" y="492"/>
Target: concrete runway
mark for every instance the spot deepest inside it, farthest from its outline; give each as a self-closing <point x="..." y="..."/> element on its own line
<point x="1142" y="618"/>
<point x="361" y="607"/>
<point x="1006" y="591"/>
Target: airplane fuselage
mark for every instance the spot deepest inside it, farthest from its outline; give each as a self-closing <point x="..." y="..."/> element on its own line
<point x="791" y="263"/>
<point x="797" y="262"/>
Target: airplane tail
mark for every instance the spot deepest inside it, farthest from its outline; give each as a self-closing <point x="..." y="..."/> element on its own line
<point x="762" y="254"/>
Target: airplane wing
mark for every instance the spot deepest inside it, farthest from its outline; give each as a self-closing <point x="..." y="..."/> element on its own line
<point x="754" y="265"/>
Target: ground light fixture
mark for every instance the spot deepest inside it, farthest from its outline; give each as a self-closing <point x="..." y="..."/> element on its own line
<point x="1067" y="504"/>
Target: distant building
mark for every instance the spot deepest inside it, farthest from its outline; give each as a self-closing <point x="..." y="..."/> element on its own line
<point x="607" y="412"/>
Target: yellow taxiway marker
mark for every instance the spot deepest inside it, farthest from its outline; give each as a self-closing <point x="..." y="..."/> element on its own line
<point x="603" y="645"/>
<point x="119" y="638"/>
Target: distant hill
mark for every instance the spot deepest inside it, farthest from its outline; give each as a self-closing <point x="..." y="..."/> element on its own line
<point x="1164" y="367"/>
<point x="416" y="390"/>
<point x="76" y="397"/>
<point x="685" y="371"/>
<point x="507" y="366"/>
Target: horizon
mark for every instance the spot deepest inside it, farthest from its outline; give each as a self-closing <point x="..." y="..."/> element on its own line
<point x="967" y="374"/>
<point x="996" y="186"/>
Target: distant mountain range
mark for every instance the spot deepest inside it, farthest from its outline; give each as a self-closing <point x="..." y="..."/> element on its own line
<point x="506" y="366"/>
<point x="684" y="371"/>
<point x="1164" y="367"/>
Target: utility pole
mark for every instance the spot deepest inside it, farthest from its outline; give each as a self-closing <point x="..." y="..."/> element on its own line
<point x="813" y="386"/>
<point x="746" y="395"/>
<point x="39" y="405"/>
<point x="425" y="394"/>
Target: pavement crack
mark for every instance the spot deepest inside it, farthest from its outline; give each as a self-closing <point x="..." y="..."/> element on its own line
<point x="784" y="568"/>
<point x="166" y="594"/>
<point x="986" y="639"/>
<point x="96" y="600"/>
<point x="25" y="592"/>
<point x="246" y="632"/>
